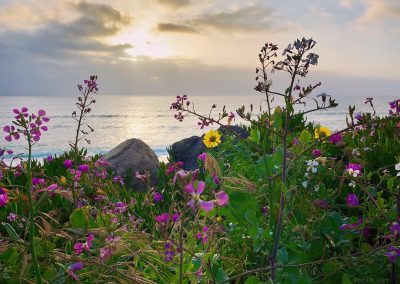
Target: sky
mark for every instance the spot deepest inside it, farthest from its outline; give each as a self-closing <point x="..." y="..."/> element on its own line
<point x="194" y="47"/>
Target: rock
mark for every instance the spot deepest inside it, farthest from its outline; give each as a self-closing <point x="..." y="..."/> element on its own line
<point x="134" y="155"/>
<point x="187" y="150"/>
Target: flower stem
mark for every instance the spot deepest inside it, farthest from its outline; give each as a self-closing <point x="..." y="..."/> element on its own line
<point x="32" y="216"/>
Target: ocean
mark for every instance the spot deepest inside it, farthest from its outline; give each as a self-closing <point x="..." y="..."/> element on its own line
<point x="117" y="118"/>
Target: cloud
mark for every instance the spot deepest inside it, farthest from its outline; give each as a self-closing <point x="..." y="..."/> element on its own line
<point x="175" y="28"/>
<point x="174" y="3"/>
<point x="246" y="19"/>
<point x="379" y="11"/>
<point x="59" y="41"/>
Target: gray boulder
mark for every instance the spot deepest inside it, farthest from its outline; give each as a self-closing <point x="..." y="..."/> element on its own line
<point x="131" y="156"/>
<point x="187" y="150"/>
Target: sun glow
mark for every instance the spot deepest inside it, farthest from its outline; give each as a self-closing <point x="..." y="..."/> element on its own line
<point x="144" y="43"/>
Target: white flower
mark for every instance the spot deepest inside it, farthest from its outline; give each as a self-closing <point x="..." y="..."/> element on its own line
<point x="397" y="167"/>
<point x="304" y="184"/>
<point x="353" y="173"/>
<point x="312" y="166"/>
<point x="316" y="187"/>
<point x="352" y="184"/>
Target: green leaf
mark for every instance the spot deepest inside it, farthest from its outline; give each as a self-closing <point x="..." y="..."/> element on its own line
<point x="332" y="267"/>
<point x="305" y="137"/>
<point x="253" y="280"/>
<point x="255" y="135"/>
<point x="79" y="218"/>
<point x="346" y="279"/>
<point x="11" y="232"/>
<point x="9" y="256"/>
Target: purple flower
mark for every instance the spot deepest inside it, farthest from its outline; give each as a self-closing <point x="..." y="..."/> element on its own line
<point x="351" y="226"/>
<point x="393" y="253"/>
<point x="215" y="179"/>
<point x="49" y="158"/>
<point x="76" y="266"/>
<point x="105" y="253"/>
<point x="175" y="217"/>
<point x="169" y="251"/>
<point x="119" y="180"/>
<point x="37" y="181"/>
<point x="316" y="153"/>
<point x="395" y="229"/>
<point x="157" y="197"/>
<point x="196" y="193"/>
<point x="12" y="217"/>
<point x="336" y="138"/>
<point x="68" y="164"/>
<point x="352" y="200"/>
<point x="52" y="187"/>
<point x="84" y="168"/>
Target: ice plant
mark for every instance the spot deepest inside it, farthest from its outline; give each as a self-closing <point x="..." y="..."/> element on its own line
<point x="68" y="164"/>
<point x="212" y="139"/>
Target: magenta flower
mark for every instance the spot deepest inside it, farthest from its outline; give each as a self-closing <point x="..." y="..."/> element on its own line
<point x="336" y="138"/>
<point x="162" y="219"/>
<point x="352" y="200"/>
<point x="49" y="158"/>
<point x="52" y="187"/>
<point x="68" y="164"/>
<point x="196" y="193"/>
<point x="79" y="247"/>
<point x="12" y="133"/>
<point x="316" y="153"/>
<point x="202" y="157"/>
<point x="157" y="197"/>
<point x="215" y="179"/>
<point x="84" y="168"/>
<point x="38" y="181"/>
<point x="3" y="197"/>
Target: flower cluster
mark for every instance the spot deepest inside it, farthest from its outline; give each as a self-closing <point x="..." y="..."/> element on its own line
<point x="178" y="105"/>
<point x="394" y="107"/>
<point x="3" y="197"/>
<point x="29" y="125"/>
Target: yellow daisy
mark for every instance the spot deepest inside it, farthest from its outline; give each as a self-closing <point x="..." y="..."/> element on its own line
<point x="212" y="138"/>
<point x="322" y="131"/>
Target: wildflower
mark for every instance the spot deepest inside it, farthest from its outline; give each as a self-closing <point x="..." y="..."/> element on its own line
<point x="222" y="198"/>
<point x="37" y="181"/>
<point x="12" y="217"/>
<point x="321" y="160"/>
<point x="157" y="197"/>
<point x="351" y="226"/>
<point x="231" y="117"/>
<point x="83" y="168"/>
<point x="169" y="251"/>
<point x="79" y="247"/>
<point x="68" y="164"/>
<point x="202" y="157"/>
<point x="265" y="210"/>
<point x="120" y="207"/>
<point x="203" y="236"/>
<point x="352" y="200"/>
<point x="175" y="217"/>
<point x="175" y="167"/>
<point x="196" y="193"/>
<point x="49" y="159"/>
<point x="312" y="166"/>
<point x="3" y="197"/>
<point x="215" y="179"/>
<point x="105" y="253"/>
<point x="52" y="187"/>
<point x="119" y="179"/>
<point x="316" y="153"/>
<point x="354" y="169"/>
<point x="395" y="229"/>
<point x="73" y="268"/>
<point x="321" y="132"/>
<point x="63" y="180"/>
<point x="162" y="219"/>
<point x="212" y="139"/>
<point x="393" y="253"/>
<point x="397" y="168"/>
<point x="336" y="138"/>
<point x="10" y="130"/>
<point x="144" y="177"/>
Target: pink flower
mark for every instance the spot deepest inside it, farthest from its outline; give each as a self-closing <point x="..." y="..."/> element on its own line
<point x="316" y="153"/>
<point x="162" y="219"/>
<point x="203" y="236"/>
<point x="79" y="247"/>
<point x="222" y="198"/>
<point x="336" y="138"/>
